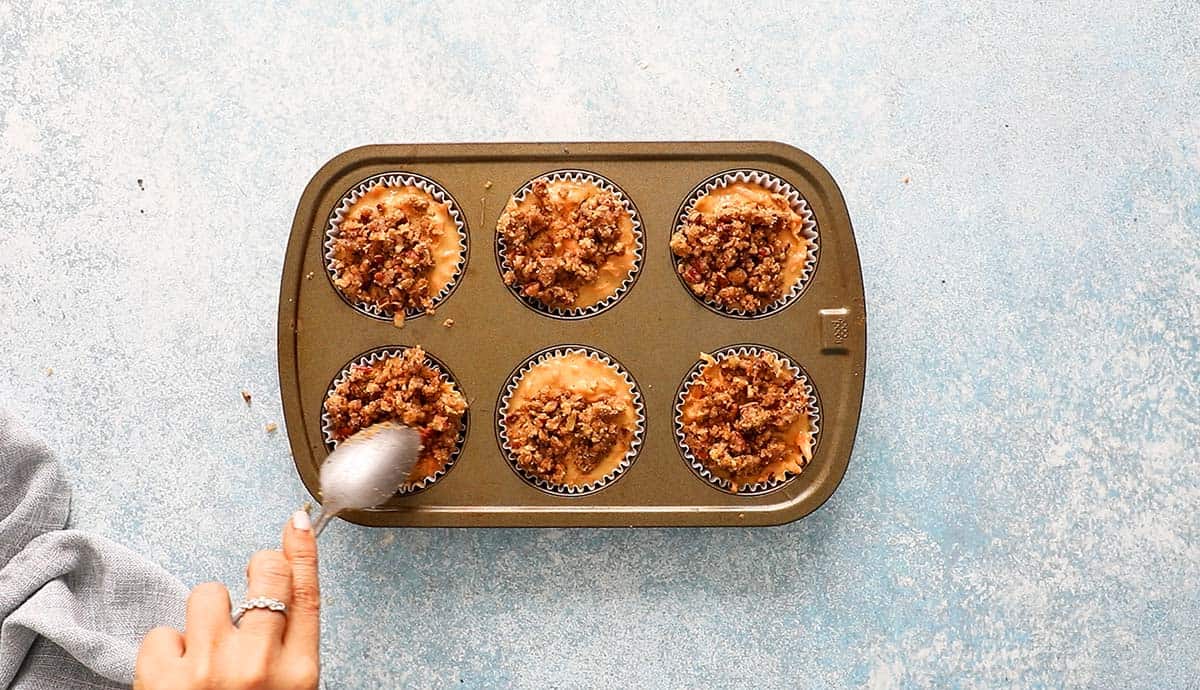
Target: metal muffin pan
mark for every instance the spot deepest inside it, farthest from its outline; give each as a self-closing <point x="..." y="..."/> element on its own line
<point x="657" y="331"/>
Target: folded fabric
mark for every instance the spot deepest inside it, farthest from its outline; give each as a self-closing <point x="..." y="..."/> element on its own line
<point x="73" y="606"/>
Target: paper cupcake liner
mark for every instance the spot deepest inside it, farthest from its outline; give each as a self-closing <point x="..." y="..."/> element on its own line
<point x="373" y="357"/>
<point x="639" y="242"/>
<point x="698" y="468"/>
<point x="394" y="179"/>
<point x="635" y="444"/>
<point x="808" y="230"/>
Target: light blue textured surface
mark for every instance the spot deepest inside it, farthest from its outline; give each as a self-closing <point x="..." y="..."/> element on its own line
<point x="1021" y="508"/>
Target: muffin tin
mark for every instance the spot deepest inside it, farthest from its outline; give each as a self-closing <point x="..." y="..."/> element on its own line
<point x="656" y="330"/>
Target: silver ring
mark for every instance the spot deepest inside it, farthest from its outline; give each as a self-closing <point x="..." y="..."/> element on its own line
<point x="258" y="603"/>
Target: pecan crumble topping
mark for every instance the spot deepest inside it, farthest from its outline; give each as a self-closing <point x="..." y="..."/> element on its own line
<point x="407" y="390"/>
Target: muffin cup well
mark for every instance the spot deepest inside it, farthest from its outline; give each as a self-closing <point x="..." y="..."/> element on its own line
<point x="697" y="467"/>
<point x="639" y="242"/>
<point x="378" y="355"/>
<point x="808" y="230"/>
<point x="510" y="387"/>
<point x="394" y="179"/>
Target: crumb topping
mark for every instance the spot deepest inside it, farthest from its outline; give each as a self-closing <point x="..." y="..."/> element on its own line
<point x="745" y="418"/>
<point x="407" y="390"/>
<point x="737" y="251"/>
<point x="553" y="429"/>
<point x="388" y="245"/>
<point x="557" y="244"/>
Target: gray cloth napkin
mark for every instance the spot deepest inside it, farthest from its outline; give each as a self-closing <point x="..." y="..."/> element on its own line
<point x="73" y="606"/>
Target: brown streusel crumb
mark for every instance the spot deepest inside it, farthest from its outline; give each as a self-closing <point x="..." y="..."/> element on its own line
<point x="734" y="255"/>
<point x="383" y="254"/>
<point x="553" y="250"/>
<point x="407" y="390"/>
<point x="553" y="429"/>
<point x="736" y="416"/>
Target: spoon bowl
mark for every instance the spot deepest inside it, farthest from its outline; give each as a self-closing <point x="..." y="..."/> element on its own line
<point x="366" y="469"/>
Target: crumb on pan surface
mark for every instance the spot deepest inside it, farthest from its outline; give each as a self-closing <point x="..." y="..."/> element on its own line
<point x="740" y="247"/>
<point x="407" y="390"/>
<point x="396" y="248"/>
<point x="570" y="420"/>
<point x="746" y="419"/>
<point x="567" y="244"/>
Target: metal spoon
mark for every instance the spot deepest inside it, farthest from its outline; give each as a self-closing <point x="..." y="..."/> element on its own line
<point x="366" y="469"/>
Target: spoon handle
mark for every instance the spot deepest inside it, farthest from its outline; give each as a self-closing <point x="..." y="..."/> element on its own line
<point x="322" y="519"/>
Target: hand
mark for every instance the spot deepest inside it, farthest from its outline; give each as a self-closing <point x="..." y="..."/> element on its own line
<point x="268" y="650"/>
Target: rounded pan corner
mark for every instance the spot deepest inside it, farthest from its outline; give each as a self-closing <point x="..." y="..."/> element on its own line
<point x="801" y="159"/>
<point x="350" y="157"/>
<point x="798" y="507"/>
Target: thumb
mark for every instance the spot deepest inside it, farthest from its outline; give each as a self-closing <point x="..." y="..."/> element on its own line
<point x="304" y="620"/>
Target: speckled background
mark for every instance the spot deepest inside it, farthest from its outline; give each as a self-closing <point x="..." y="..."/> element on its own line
<point x="1021" y="508"/>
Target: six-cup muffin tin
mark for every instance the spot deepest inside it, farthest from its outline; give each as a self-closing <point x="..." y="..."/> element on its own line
<point x="655" y="332"/>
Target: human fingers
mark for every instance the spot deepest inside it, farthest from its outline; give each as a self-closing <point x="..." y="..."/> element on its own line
<point x="269" y="575"/>
<point x="207" y="618"/>
<point x="304" y="617"/>
<point x="158" y="659"/>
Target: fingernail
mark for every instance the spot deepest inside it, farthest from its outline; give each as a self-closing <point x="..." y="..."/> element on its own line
<point x="301" y="521"/>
